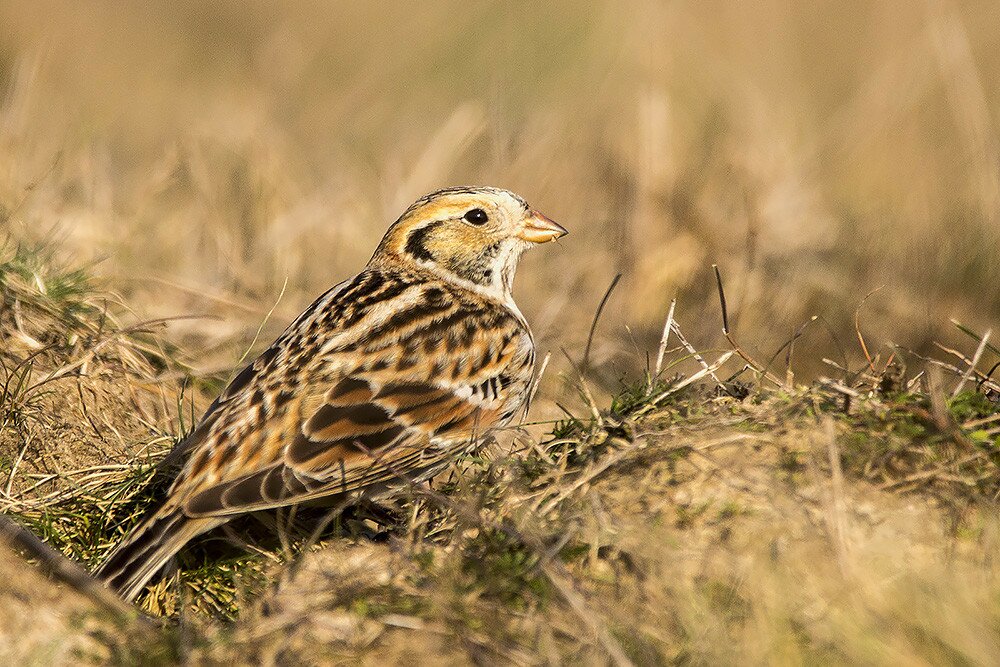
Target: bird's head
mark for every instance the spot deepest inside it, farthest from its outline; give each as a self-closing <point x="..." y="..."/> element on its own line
<point x="477" y="234"/>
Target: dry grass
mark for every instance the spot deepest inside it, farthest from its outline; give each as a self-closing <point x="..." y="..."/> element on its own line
<point x="201" y="156"/>
<point x="723" y="521"/>
<point x="834" y="504"/>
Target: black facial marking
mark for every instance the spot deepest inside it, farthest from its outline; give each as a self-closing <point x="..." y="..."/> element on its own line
<point x="416" y="240"/>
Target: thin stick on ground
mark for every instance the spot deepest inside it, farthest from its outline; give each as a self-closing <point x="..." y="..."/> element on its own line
<point x="972" y="365"/>
<point x="763" y="372"/>
<point x="984" y="381"/>
<point x="663" y="339"/>
<point x="857" y="330"/>
<point x="696" y="355"/>
<point x="961" y="356"/>
<point x="69" y="573"/>
<point x="585" y="364"/>
<point x="687" y="381"/>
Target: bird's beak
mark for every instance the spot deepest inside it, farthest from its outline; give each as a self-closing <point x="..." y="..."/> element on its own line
<point x="539" y="229"/>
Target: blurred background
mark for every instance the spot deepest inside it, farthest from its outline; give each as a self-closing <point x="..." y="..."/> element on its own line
<point x="199" y="155"/>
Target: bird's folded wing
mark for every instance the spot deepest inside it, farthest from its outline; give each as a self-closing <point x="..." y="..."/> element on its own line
<point x="362" y="434"/>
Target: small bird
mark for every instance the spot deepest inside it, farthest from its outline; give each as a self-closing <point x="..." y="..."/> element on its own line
<point x="380" y="383"/>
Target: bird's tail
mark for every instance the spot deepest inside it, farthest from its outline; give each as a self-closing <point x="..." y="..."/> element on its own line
<point x="147" y="549"/>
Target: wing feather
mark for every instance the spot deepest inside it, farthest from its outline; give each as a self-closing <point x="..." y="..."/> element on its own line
<point x="343" y="448"/>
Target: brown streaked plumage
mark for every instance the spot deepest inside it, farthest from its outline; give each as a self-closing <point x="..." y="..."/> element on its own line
<point x="396" y="370"/>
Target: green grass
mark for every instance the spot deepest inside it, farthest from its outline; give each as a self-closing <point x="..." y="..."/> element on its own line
<point x="31" y="276"/>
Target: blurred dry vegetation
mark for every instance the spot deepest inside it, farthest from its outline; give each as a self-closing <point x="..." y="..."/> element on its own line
<point x="170" y="173"/>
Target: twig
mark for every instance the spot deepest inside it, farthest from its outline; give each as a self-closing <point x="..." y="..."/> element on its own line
<point x="831" y="362"/>
<point x="790" y="345"/>
<point x="763" y="372"/>
<point x="695" y="354"/>
<point x="722" y="299"/>
<point x="663" y="339"/>
<point x="984" y="381"/>
<point x="71" y="574"/>
<point x="975" y="423"/>
<point x="857" y="329"/>
<point x="915" y="380"/>
<point x="953" y="352"/>
<point x="585" y="364"/>
<point x="836" y="385"/>
<point x="975" y="362"/>
<point x="686" y="381"/>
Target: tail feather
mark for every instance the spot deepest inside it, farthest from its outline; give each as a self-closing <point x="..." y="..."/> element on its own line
<point x="147" y="549"/>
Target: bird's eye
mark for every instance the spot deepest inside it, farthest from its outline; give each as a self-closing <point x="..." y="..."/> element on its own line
<point x="476" y="216"/>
